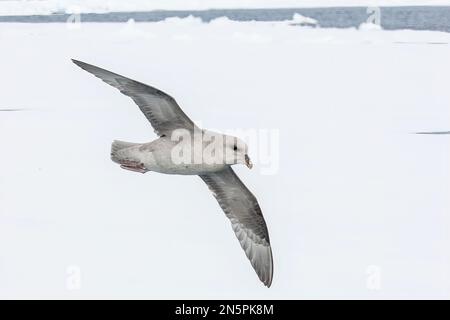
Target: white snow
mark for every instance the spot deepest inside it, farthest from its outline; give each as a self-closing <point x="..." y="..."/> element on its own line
<point x="31" y="7"/>
<point x="369" y="26"/>
<point x="359" y="207"/>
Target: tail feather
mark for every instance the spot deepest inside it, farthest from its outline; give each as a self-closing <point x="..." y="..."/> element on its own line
<point x="116" y="146"/>
<point x="119" y="145"/>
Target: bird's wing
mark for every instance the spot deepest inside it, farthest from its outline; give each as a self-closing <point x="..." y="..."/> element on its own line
<point x="158" y="107"/>
<point x="242" y="208"/>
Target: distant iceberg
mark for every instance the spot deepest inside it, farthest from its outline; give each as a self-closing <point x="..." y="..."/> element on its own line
<point x="299" y="20"/>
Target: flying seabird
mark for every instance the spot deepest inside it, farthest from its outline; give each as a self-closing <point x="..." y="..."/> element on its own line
<point x="170" y="123"/>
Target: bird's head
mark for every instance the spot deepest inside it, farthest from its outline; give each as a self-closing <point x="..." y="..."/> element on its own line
<point x="238" y="150"/>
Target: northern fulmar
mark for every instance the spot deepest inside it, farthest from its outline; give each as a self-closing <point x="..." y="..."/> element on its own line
<point x="181" y="149"/>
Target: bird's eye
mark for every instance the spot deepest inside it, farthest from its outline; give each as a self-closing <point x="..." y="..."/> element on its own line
<point x="235" y="148"/>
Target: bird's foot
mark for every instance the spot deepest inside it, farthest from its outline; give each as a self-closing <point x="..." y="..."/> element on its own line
<point x="133" y="166"/>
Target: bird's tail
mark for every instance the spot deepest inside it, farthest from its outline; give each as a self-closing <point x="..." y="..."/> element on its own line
<point x="117" y="146"/>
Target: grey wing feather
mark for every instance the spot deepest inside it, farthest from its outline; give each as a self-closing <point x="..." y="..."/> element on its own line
<point x="158" y="107"/>
<point x="247" y="221"/>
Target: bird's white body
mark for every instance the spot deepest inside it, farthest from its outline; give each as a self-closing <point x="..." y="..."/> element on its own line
<point x="161" y="154"/>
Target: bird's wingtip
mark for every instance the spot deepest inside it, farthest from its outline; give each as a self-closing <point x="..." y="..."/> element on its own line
<point x="77" y="62"/>
<point x="267" y="280"/>
<point x="81" y="64"/>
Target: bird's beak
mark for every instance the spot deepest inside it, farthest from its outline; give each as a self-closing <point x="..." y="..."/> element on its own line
<point x="248" y="162"/>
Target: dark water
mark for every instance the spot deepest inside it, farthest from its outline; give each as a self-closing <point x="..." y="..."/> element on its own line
<point x="391" y="18"/>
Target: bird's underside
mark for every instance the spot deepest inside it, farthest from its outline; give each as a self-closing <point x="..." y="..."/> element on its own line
<point x="238" y="203"/>
<point x="164" y="155"/>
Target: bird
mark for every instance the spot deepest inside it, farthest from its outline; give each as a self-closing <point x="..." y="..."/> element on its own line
<point x="171" y="153"/>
